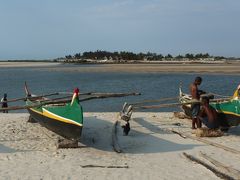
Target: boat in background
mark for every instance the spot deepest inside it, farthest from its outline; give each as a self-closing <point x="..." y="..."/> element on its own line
<point x="65" y="119"/>
<point x="228" y="109"/>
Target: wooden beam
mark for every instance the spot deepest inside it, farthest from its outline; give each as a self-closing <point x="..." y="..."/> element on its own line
<point x="67" y="100"/>
<point x="223" y="168"/>
<point x="209" y="167"/>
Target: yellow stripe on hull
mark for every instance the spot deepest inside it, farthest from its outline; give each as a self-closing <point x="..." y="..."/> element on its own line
<point x="48" y="114"/>
<point x="36" y="111"/>
<point x="231" y="113"/>
<point x="59" y="118"/>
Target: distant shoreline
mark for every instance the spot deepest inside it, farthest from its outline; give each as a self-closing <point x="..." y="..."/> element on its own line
<point x="27" y="64"/>
<point x="163" y="67"/>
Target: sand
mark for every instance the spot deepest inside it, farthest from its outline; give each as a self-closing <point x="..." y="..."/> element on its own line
<point x="214" y="68"/>
<point x="151" y="151"/>
<point x="220" y="68"/>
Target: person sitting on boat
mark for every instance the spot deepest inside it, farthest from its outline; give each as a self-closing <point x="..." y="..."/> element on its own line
<point x="236" y="94"/>
<point x="195" y="108"/>
<point x="208" y="115"/>
<point x="4" y="103"/>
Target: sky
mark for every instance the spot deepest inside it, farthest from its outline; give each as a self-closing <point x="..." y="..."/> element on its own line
<point x="46" y="29"/>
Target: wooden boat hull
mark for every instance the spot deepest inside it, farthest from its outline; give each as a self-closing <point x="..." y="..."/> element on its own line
<point x="66" y="130"/>
<point x="229" y="111"/>
<point x="187" y="110"/>
<point x="65" y="119"/>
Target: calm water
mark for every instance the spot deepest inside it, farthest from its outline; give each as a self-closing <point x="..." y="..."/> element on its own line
<point x="151" y="85"/>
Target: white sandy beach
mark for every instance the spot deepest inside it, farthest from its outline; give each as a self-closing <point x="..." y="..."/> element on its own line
<point x="151" y="151"/>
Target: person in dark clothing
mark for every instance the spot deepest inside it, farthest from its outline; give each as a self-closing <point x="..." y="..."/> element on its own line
<point x="4" y="103"/>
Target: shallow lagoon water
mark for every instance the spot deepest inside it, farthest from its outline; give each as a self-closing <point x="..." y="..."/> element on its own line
<point x="150" y="85"/>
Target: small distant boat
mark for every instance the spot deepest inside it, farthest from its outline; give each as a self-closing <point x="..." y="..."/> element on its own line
<point x="228" y="109"/>
<point x="65" y="119"/>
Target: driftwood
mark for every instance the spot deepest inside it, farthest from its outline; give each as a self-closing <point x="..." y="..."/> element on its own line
<point x="65" y="143"/>
<point x="115" y="144"/>
<point x="216" y="145"/>
<point x="223" y="168"/>
<point x="204" y="141"/>
<point x="176" y="132"/>
<point x="211" y="143"/>
<point x="100" y="166"/>
<point x="209" y="167"/>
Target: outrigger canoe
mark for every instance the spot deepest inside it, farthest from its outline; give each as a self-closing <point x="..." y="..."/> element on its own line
<point x="228" y="110"/>
<point x="65" y="119"/>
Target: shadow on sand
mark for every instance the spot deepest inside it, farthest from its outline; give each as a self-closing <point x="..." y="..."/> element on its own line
<point x="5" y="149"/>
<point x="234" y="130"/>
<point x="97" y="134"/>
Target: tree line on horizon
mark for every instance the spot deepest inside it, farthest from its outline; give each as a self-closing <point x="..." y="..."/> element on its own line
<point x="125" y="55"/>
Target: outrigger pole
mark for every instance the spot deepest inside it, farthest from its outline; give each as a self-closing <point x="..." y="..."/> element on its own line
<point x="67" y="100"/>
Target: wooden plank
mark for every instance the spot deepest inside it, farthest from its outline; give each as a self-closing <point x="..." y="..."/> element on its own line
<point x="209" y="167"/>
<point x="223" y="168"/>
<point x="209" y="143"/>
<point x="101" y="166"/>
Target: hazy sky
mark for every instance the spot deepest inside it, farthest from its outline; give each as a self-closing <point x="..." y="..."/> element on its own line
<point x="39" y="29"/>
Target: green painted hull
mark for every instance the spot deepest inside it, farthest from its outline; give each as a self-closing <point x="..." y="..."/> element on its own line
<point x="229" y="111"/>
<point x="65" y="120"/>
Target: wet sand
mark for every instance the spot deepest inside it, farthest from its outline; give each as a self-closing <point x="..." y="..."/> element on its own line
<point x="151" y="151"/>
<point x="159" y="68"/>
<point x="214" y="68"/>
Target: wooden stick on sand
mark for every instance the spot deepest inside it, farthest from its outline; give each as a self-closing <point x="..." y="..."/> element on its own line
<point x="209" y="167"/>
<point x="223" y="168"/>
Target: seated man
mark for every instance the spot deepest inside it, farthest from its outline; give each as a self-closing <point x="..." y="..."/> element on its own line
<point x="208" y="115"/>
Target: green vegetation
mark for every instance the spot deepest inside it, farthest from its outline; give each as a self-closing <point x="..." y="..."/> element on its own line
<point x="130" y="56"/>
